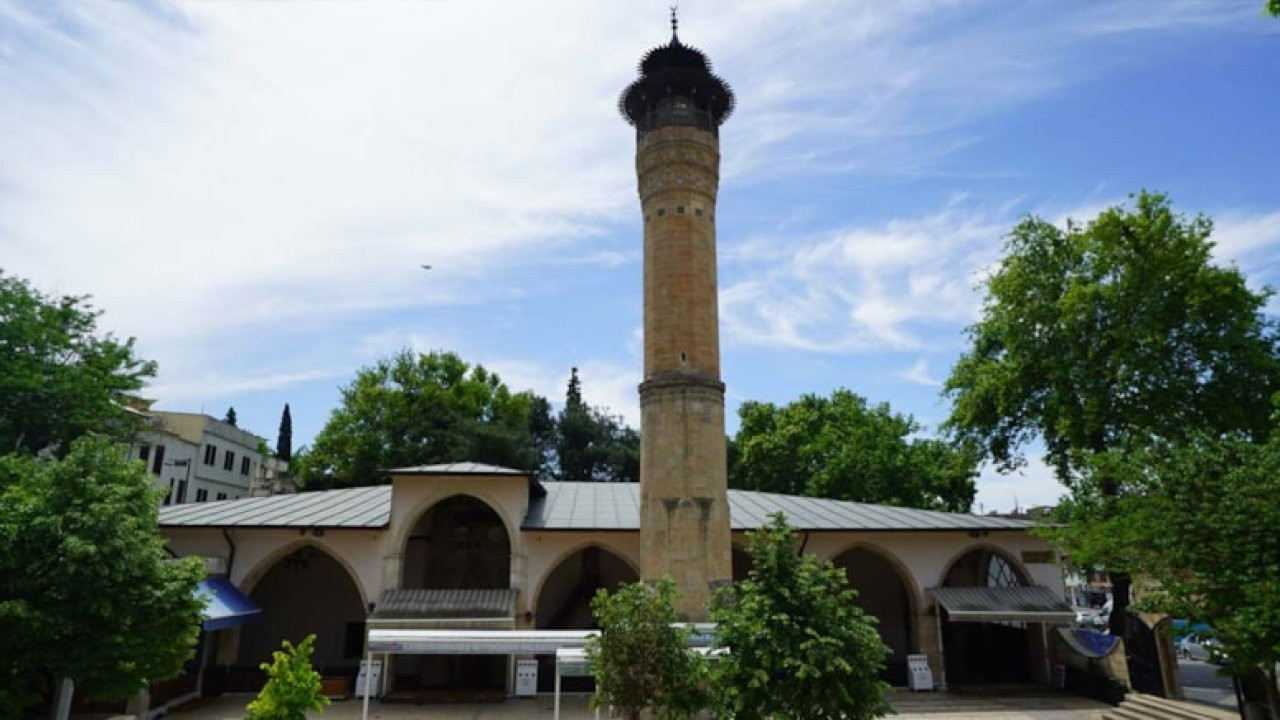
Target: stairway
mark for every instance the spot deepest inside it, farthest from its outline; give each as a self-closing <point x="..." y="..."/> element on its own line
<point x="1138" y="706"/>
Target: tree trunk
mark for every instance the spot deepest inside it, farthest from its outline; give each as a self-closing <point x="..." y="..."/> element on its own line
<point x="1273" y="692"/>
<point x="1120" y="583"/>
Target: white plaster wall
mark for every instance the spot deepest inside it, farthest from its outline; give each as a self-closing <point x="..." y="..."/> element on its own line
<point x="257" y="549"/>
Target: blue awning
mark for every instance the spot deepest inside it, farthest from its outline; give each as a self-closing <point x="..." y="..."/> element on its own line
<point x="227" y="606"/>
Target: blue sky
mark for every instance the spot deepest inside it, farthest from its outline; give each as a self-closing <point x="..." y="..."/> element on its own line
<point x="250" y="188"/>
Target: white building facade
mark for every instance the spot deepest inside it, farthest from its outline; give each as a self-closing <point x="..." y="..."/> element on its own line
<point x="197" y="458"/>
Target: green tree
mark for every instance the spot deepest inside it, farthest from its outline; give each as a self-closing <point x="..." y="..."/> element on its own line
<point x="293" y="686"/>
<point x="1110" y="336"/>
<point x="89" y="592"/>
<point x="641" y="659"/>
<point x="1198" y="522"/>
<point x="284" y="439"/>
<point x="839" y="447"/>
<point x="58" y="378"/>
<point x="413" y="409"/>
<point x="798" y="645"/>
<point x="591" y="444"/>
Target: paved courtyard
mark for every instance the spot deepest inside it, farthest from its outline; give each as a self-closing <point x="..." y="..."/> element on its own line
<point x="917" y="706"/>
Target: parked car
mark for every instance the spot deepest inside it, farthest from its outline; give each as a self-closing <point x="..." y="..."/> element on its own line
<point x="1198" y="647"/>
<point x="1094" y="618"/>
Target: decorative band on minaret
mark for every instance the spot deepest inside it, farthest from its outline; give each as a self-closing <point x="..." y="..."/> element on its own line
<point x="676" y="107"/>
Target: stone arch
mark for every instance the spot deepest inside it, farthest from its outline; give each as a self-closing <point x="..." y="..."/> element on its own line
<point x="251" y="578"/>
<point x="401" y="531"/>
<point x="285" y="585"/>
<point x="983" y="553"/>
<point x="986" y="652"/>
<point x="575" y="549"/>
<point x="461" y="540"/>
<point x="887" y="591"/>
<point x="564" y="595"/>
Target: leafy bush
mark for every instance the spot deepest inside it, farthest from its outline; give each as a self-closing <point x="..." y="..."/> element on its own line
<point x="293" y="686"/>
<point x="798" y="645"/>
<point x="641" y="659"/>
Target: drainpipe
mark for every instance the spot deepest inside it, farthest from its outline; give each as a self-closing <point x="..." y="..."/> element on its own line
<point x="231" y="551"/>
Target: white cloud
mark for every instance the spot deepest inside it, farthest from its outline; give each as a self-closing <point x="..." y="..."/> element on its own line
<point x="213" y="171"/>
<point x="1240" y="237"/>
<point x="919" y="373"/>
<point x="604" y="384"/>
<point x="174" y="395"/>
<point x="868" y="288"/>
<point x="1032" y="485"/>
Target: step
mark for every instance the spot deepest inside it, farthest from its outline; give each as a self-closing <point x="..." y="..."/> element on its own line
<point x="1179" y="709"/>
<point x="1124" y="713"/>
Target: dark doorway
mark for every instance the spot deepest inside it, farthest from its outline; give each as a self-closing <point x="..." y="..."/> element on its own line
<point x="459" y="543"/>
<point x="288" y="594"/>
<point x="985" y="652"/>
<point x="883" y="594"/>
<point x="564" y="603"/>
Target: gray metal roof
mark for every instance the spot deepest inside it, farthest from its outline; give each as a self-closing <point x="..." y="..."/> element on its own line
<point x="364" y="507"/>
<point x="573" y="506"/>
<point x="616" y="506"/>
<point x="1034" y="603"/>
<point x="749" y="510"/>
<point x="403" y="604"/>
<point x="458" y="468"/>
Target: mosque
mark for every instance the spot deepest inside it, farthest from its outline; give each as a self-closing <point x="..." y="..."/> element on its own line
<point x="467" y="546"/>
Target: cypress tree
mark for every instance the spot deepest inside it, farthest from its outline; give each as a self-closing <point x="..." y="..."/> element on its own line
<point x="284" y="440"/>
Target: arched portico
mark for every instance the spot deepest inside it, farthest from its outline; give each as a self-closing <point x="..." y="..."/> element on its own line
<point x="286" y="586"/>
<point x="459" y="542"/>
<point x="986" y="652"/>
<point x="564" y="599"/>
<point x="887" y="592"/>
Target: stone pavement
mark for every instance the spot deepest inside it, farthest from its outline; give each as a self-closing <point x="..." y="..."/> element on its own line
<point x="910" y="706"/>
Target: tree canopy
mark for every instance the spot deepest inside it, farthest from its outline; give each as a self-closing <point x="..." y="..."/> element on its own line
<point x="413" y="409"/>
<point x="58" y="377"/>
<point x="840" y="447"/>
<point x="89" y="591"/>
<point x="591" y="444"/>
<point x="1198" y="522"/>
<point x="1112" y="334"/>
<point x="798" y="644"/>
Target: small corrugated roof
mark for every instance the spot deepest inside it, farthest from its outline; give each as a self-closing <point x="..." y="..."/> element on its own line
<point x="407" y="604"/>
<point x="1033" y="603"/>
<point x="363" y="507"/>
<point x="457" y="468"/>
<point x="573" y="506"/>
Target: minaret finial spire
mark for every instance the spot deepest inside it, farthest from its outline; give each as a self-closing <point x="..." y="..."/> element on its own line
<point x="674" y="23"/>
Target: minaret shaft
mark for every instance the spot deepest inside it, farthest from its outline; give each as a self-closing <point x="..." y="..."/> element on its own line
<point x="684" y="510"/>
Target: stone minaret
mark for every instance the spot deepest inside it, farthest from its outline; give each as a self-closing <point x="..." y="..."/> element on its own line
<point x="677" y="106"/>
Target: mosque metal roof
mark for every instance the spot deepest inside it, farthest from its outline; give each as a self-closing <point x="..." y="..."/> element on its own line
<point x="616" y="506"/>
<point x="364" y="507"/>
<point x="457" y="468"/>
<point x="572" y="506"/>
